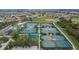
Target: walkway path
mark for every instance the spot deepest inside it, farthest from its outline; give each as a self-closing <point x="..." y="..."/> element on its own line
<point x="39" y="35"/>
<point x="64" y="35"/>
<point x="5" y="44"/>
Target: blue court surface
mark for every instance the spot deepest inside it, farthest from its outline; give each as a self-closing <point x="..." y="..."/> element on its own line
<point x="51" y="37"/>
<point x="55" y="41"/>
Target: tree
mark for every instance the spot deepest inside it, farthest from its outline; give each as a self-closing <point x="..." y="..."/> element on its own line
<point x="24" y="19"/>
<point x="33" y="13"/>
<point x="14" y="34"/>
<point x="43" y="13"/>
<point x="3" y="39"/>
<point x="70" y="20"/>
<point x="62" y="19"/>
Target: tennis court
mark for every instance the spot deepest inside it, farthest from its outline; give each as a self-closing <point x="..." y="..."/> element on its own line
<point x="55" y="41"/>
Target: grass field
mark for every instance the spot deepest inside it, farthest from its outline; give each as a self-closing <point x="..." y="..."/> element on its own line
<point x="43" y="19"/>
<point x="74" y="20"/>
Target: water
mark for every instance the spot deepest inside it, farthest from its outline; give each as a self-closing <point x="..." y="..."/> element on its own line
<point x="34" y="36"/>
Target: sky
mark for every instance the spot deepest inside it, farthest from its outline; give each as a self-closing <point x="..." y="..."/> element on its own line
<point x="39" y="4"/>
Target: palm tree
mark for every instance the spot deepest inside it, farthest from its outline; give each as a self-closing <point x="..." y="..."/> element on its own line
<point x="14" y="34"/>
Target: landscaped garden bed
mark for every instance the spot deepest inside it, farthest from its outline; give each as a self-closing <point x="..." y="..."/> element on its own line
<point x="3" y="40"/>
<point x="22" y="41"/>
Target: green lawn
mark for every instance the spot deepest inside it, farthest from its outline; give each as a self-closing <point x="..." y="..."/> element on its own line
<point x="75" y="18"/>
<point x="72" y="18"/>
<point x="38" y="20"/>
<point x="71" y="38"/>
<point x="44" y="19"/>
